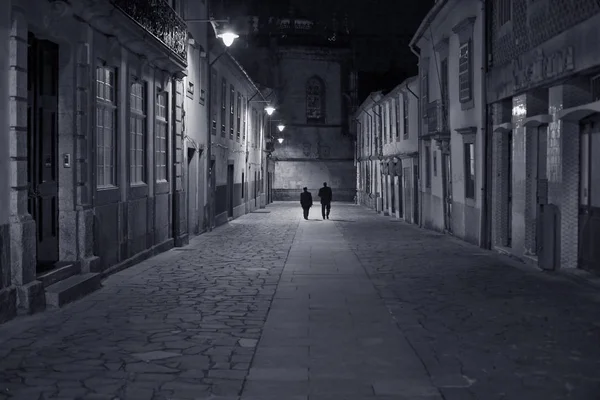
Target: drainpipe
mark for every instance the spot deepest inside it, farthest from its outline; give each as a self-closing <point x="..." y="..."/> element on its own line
<point x="485" y="234"/>
<point x="419" y="142"/>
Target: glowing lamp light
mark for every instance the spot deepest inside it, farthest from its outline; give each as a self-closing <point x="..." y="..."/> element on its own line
<point x="270" y="110"/>
<point x="281" y="127"/>
<point x="280" y="140"/>
<point x="228" y="38"/>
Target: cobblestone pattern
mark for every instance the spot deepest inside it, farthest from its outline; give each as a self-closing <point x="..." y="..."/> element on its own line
<point x="511" y="332"/>
<point x="183" y="325"/>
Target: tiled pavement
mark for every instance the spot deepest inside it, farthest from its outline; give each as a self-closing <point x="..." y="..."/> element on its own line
<point x="365" y="308"/>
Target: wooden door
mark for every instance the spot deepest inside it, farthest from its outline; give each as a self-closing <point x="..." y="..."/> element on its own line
<point x="230" y="190"/>
<point x="42" y="134"/>
<point x="447" y="176"/>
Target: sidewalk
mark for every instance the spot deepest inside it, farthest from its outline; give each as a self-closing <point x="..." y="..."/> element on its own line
<point x="328" y="334"/>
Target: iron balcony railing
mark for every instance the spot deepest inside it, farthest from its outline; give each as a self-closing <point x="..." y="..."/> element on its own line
<point x="437" y="119"/>
<point x="159" y="19"/>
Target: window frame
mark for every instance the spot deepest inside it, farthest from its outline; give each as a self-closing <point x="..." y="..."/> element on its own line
<point x="428" y="165"/>
<point x="231" y="111"/>
<point x="320" y="95"/>
<point x="405" y="121"/>
<point x="109" y="105"/>
<point x="239" y="116"/>
<point x="161" y="122"/>
<point x="214" y="100"/>
<point x="465" y="72"/>
<point x="470" y="169"/>
<point x="137" y="156"/>
<point x="223" y="106"/>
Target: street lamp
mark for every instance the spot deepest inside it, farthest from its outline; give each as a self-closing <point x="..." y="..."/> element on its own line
<point x="228" y="37"/>
<point x="270" y="110"/>
<point x="281" y="127"/>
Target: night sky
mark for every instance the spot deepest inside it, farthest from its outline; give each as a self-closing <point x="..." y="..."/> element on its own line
<point x="381" y="31"/>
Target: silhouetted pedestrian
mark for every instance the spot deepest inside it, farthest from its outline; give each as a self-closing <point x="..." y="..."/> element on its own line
<point x="326" y="195"/>
<point x="306" y="202"/>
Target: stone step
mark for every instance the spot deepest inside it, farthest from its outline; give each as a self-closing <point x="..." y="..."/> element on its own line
<point x="71" y="289"/>
<point x="62" y="272"/>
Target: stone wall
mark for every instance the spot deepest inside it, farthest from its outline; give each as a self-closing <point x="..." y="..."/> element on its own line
<point x="313" y="152"/>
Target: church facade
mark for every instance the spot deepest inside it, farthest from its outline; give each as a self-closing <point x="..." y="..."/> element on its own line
<point x="310" y="68"/>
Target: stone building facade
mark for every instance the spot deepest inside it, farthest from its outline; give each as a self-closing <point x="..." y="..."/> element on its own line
<point x="543" y="89"/>
<point x="104" y="111"/>
<point x="237" y="141"/>
<point x="451" y="47"/>
<point x="387" y="151"/>
<point x="315" y="84"/>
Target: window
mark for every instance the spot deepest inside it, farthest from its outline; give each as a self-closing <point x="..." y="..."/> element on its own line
<point x="137" y="133"/>
<point x="464" y="72"/>
<point x="254" y="126"/>
<point x="161" y="137"/>
<point x="315" y="101"/>
<point x="469" y="170"/>
<point x="231" y="111"/>
<point x="434" y="162"/>
<point x="397" y="116"/>
<point x="244" y="119"/>
<point x="239" y="115"/>
<point x="223" y="105"/>
<point x="405" y="115"/>
<point x="424" y="94"/>
<point x="202" y="97"/>
<point x="106" y="134"/>
<point x="504" y="12"/>
<point x="427" y="165"/>
<point x="391" y="119"/>
<point x="444" y="79"/>
<point x="213" y="99"/>
<point x="384" y="123"/>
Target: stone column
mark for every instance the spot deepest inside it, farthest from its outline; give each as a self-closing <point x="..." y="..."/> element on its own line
<point x="22" y="225"/>
<point x="563" y="168"/>
<point x="8" y="296"/>
<point x="83" y="158"/>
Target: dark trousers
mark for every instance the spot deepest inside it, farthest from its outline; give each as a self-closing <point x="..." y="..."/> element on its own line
<point x="306" y="210"/>
<point x="325" y="207"/>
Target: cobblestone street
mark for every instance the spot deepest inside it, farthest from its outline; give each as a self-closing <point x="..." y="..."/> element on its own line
<point x="274" y="307"/>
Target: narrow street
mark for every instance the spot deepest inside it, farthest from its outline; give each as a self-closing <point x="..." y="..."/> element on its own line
<point x="272" y="307"/>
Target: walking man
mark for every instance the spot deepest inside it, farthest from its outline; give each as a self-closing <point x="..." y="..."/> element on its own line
<point x="326" y="196"/>
<point x="306" y="202"/>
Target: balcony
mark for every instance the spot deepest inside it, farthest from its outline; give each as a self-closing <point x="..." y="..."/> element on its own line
<point x="437" y="118"/>
<point x="160" y="20"/>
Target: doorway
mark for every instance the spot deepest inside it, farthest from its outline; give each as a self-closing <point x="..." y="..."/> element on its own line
<point x="589" y="197"/>
<point x="230" y="191"/>
<point x="509" y="177"/>
<point x="255" y="189"/>
<point x="42" y="135"/>
<point x="212" y="193"/>
<point x="541" y="196"/>
<point x="447" y="187"/>
<point x="393" y="193"/>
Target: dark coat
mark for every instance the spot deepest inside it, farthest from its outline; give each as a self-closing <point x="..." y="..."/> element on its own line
<point x="325" y="195"/>
<point x="306" y="200"/>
